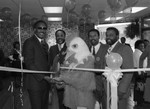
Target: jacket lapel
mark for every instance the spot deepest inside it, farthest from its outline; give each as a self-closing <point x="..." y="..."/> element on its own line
<point x="115" y="49"/>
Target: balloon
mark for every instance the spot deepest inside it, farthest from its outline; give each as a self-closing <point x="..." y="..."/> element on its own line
<point x="82" y="21"/>
<point x="26" y="17"/>
<point x="131" y="3"/>
<point x="86" y="9"/>
<point x="88" y="19"/>
<point x="101" y="14"/>
<point x="44" y="18"/>
<point x="33" y="20"/>
<point x="6" y="12"/>
<point x="114" y="60"/>
<point x="73" y="17"/>
<point x="115" y="5"/>
<point x="70" y="5"/>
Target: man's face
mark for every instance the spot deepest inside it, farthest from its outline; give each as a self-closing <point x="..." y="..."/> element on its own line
<point x="93" y="38"/>
<point x="40" y="30"/>
<point x="146" y="35"/>
<point x="60" y="37"/>
<point x="111" y="37"/>
<point x="141" y="47"/>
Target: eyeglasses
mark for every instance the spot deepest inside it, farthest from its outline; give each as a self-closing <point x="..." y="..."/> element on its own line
<point x="42" y="28"/>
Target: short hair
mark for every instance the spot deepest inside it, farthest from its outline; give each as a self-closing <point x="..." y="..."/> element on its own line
<point x="123" y="39"/>
<point x="145" y="42"/>
<point x="95" y="30"/>
<point x="61" y="31"/>
<point x="137" y="43"/>
<point x="37" y="22"/>
<point x="114" y="29"/>
<point x="15" y="43"/>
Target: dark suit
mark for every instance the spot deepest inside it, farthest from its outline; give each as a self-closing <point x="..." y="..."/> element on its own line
<point x="100" y="64"/>
<point x="36" y="58"/>
<point x="55" y="56"/>
<point x="124" y="84"/>
<point x="54" y="50"/>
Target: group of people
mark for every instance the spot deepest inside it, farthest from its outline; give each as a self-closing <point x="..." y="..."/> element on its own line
<point x="38" y="57"/>
<point x="69" y="85"/>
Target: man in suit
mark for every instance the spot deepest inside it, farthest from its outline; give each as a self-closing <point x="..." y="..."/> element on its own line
<point x="58" y="49"/>
<point x="57" y="55"/>
<point x="35" y="52"/>
<point x="99" y="51"/>
<point x="112" y="39"/>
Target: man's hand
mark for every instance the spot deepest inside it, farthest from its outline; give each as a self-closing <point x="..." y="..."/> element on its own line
<point x="57" y="79"/>
<point x="49" y="79"/>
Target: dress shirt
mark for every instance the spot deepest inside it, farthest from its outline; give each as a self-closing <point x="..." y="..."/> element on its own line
<point x="60" y="46"/>
<point x="96" y="48"/>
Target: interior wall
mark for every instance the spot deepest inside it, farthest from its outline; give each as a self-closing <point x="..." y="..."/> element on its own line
<point x="9" y="34"/>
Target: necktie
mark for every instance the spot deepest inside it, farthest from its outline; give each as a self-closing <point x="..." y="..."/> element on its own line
<point x="93" y="50"/>
<point x="44" y="46"/>
<point x="109" y="50"/>
<point x="42" y="42"/>
<point x="59" y="47"/>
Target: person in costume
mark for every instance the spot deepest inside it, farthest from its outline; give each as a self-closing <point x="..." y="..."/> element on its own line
<point x="79" y="85"/>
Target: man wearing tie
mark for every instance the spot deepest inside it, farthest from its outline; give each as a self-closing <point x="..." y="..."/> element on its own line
<point x="36" y="58"/>
<point x="112" y="39"/>
<point x="57" y="55"/>
<point x="99" y="51"/>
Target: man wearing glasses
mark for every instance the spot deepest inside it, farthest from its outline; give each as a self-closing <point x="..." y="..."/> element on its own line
<point x="35" y="52"/>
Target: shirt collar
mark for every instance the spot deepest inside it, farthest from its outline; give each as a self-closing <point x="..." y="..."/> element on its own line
<point x="38" y="38"/>
<point x="112" y="46"/>
<point x="62" y="45"/>
<point x="96" y="47"/>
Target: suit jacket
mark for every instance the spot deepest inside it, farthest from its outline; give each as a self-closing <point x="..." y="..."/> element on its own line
<point x="100" y="64"/>
<point x="35" y="58"/>
<point x="127" y="56"/>
<point x="54" y="51"/>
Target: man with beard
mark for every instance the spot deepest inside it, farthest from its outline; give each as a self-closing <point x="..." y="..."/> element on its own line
<point x="35" y="53"/>
<point x="112" y="39"/>
<point x="57" y="55"/>
<point x="99" y="51"/>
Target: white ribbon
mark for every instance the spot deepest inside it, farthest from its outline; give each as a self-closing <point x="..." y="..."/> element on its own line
<point x="112" y="77"/>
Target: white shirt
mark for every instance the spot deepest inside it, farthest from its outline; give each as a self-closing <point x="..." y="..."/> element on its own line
<point x="136" y="56"/>
<point x="38" y="38"/>
<point x="60" y="46"/>
<point x="96" y="48"/>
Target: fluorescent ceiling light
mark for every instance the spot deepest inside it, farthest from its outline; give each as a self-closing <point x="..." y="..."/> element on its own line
<point x="133" y="9"/>
<point x="147" y="19"/>
<point x="54" y="18"/>
<point x="1" y="20"/>
<point x="53" y="9"/>
<point x="114" y="24"/>
<point x="109" y="18"/>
